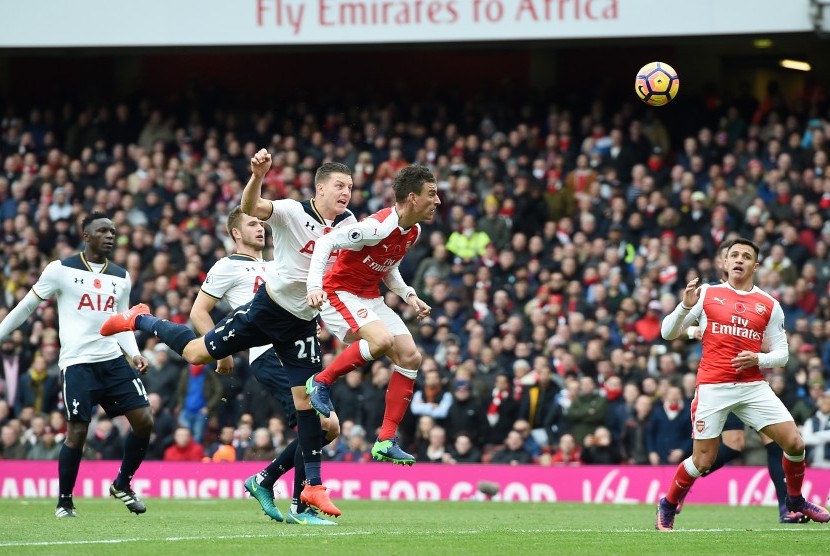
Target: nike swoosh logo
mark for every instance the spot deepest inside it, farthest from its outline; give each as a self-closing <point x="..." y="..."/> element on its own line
<point x="301" y="521"/>
<point x="253" y="486"/>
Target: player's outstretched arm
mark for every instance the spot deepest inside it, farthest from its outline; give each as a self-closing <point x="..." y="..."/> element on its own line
<point x="252" y="202"/>
<point x="395" y="282"/>
<point x="19" y="314"/>
<point x="353" y="238"/>
<point x="419" y="305"/>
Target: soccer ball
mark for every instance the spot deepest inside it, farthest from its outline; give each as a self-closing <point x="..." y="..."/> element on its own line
<point x="657" y="83"/>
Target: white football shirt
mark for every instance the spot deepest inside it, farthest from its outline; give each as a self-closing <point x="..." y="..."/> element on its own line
<point x="296" y="227"/>
<point x="85" y="300"/>
<point x="236" y="278"/>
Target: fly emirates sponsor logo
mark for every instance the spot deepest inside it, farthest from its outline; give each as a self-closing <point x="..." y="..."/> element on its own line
<point x="385" y="266"/>
<point x="737" y="327"/>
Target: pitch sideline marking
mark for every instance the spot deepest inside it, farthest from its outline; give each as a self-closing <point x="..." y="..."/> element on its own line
<point x="316" y="533"/>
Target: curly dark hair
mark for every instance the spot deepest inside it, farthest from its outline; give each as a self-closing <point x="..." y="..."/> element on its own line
<point x="91" y="217"/>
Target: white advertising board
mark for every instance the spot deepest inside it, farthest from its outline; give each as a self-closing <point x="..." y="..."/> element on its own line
<point x="105" y="23"/>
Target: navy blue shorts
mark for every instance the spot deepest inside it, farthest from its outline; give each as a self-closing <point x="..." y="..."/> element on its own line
<point x="113" y="384"/>
<point x="261" y="322"/>
<point x="732" y="423"/>
<point x="273" y="376"/>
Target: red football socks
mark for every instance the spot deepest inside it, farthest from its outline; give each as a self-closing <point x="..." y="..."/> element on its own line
<point x="794" y="475"/>
<point x="348" y="360"/>
<point x="398" y="398"/>
<point x="680" y="484"/>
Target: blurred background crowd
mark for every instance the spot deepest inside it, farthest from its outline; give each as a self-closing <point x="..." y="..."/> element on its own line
<point x="564" y="236"/>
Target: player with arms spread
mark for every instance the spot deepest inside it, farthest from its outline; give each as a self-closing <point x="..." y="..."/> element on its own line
<point x="89" y="288"/>
<point x="278" y="314"/>
<point x="370" y="252"/>
<point x="738" y="318"/>
<point x="236" y="278"/>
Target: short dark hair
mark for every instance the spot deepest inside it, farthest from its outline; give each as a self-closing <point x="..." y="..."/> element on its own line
<point x="750" y="243"/>
<point x="724" y="247"/>
<point x="329" y="168"/>
<point x="234" y="219"/>
<point x="91" y="217"/>
<point x="411" y="180"/>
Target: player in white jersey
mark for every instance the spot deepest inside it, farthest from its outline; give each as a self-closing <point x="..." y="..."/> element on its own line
<point x="236" y="278"/>
<point x="741" y="323"/>
<point x="89" y="288"/>
<point x="371" y="252"/>
<point x="278" y="313"/>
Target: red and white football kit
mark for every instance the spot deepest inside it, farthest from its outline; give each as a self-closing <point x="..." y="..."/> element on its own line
<point x="370" y="252"/>
<point x="733" y="321"/>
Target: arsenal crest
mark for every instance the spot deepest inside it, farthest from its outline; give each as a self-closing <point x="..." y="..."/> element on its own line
<point x="362" y="313"/>
<point x="760" y="308"/>
<point x="700" y="425"/>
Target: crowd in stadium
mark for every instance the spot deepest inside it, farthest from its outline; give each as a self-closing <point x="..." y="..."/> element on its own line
<point x="563" y="238"/>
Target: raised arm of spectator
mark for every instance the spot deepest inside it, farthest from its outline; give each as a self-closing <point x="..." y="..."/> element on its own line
<point x="252" y="202"/>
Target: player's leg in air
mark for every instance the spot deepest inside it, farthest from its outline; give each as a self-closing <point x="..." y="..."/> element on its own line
<point x="268" y="370"/>
<point x="381" y="332"/>
<point x="406" y="360"/>
<point x="178" y="337"/>
<point x="256" y="323"/>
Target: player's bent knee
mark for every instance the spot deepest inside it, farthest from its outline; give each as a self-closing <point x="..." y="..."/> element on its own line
<point x="76" y="434"/>
<point x="196" y="353"/>
<point x="734" y="439"/>
<point x="385" y="345"/>
<point x="330" y="426"/>
<point x="380" y="344"/>
<point x="703" y="462"/>
<point x="143" y="425"/>
<point x="411" y="360"/>
<point x="795" y="446"/>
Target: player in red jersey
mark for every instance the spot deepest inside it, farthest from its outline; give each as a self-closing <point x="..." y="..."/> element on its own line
<point x="733" y="436"/>
<point x="738" y="317"/>
<point x="370" y="252"/>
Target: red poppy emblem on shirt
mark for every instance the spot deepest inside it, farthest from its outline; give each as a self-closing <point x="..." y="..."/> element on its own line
<point x="760" y="308"/>
<point x="97" y="284"/>
<point x="740" y="307"/>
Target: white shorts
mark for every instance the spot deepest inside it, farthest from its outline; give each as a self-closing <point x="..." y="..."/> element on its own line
<point x="754" y="403"/>
<point x="345" y="312"/>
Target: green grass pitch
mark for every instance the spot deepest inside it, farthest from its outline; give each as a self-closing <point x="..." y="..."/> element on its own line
<point x="237" y="527"/>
